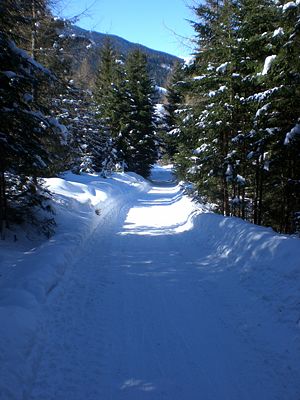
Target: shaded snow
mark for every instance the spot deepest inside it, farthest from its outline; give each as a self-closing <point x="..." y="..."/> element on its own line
<point x="161" y="90"/>
<point x="262" y="110"/>
<point x="154" y="298"/>
<point x="290" y="5"/>
<point x="240" y="179"/>
<point x="30" y="271"/>
<point x="291" y="134"/>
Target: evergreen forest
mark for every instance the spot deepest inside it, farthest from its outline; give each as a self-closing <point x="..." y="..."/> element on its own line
<point x="233" y="111"/>
<point x="231" y="124"/>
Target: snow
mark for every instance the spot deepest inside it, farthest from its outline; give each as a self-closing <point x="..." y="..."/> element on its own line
<point x="22" y="53"/>
<point x="28" y="98"/>
<point x="174" y="132"/>
<point x="289" y="5"/>
<point x="160" y="110"/>
<point x="166" y="66"/>
<point x="262" y="110"/>
<point x="193" y="170"/>
<point x="291" y="134"/>
<point x="201" y="149"/>
<point x="28" y="273"/>
<point x="241" y="180"/>
<point x="152" y="297"/>
<point x="199" y="78"/>
<point x="161" y="89"/>
<point x="264" y="95"/>
<point x="223" y="67"/>
<point x="229" y="172"/>
<point x="189" y="60"/>
<point x="9" y="74"/>
<point x="62" y="128"/>
<point x="268" y="63"/>
<point x="278" y="32"/>
<point x="221" y="89"/>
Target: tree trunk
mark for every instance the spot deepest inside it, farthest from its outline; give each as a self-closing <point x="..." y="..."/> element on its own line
<point x="256" y="195"/>
<point x="226" y="210"/>
<point x="260" y="196"/>
<point x="243" y="204"/>
<point x="33" y="29"/>
<point x="3" y="206"/>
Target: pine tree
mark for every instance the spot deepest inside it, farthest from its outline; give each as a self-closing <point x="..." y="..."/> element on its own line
<point x="210" y="101"/>
<point x="29" y="134"/>
<point x="95" y="152"/>
<point x="282" y="122"/>
<point x="142" y="152"/>
<point x="174" y="98"/>
<point x="112" y="100"/>
<point x="256" y="24"/>
<point x="238" y="140"/>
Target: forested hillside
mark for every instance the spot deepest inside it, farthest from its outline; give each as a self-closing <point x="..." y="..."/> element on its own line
<point x="85" y="47"/>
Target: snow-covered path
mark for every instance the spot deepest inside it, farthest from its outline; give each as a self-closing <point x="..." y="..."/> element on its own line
<point x="147" y="313"/>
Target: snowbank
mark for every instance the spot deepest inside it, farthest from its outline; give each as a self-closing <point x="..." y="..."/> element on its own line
<point x="28" y="275"/>
<point x="229" y="252"/>
<point x="267" y="263"/>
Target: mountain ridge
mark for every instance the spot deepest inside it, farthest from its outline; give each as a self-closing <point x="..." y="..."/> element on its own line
<point x="89" y="33"/>
<point x="85" y="48"/>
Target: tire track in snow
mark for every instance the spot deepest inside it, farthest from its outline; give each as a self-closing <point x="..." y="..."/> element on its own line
<point x="142" y="317"/>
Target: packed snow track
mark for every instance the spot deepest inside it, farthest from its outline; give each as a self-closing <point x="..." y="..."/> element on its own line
<point x="150" y="310"/>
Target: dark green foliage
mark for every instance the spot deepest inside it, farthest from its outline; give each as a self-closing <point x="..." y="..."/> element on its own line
<point x="112" y="100"/>
<point x="239" y="121"/>
<point x="92" y="141"/>
<point x="283" y="118"/>
<point x="32" y="141"/>
<point x="142" y="152"/>
<point x="175" y="95"/>
<point x="124" y="96"/>
<point x="27" y="136"/>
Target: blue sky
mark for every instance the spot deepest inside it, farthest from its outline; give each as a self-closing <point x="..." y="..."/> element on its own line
<point x="148" y="22"/>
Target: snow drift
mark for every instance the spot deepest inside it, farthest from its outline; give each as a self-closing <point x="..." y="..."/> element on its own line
<point x="29" y="274"/>
<point x="232" y="254"/>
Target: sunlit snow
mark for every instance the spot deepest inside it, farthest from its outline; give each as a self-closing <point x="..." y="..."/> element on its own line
<point x="144" y="294"/>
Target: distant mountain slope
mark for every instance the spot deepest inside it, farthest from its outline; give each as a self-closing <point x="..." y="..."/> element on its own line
<point x="85" y="49"/>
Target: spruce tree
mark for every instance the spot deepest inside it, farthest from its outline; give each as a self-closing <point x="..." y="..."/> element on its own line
<point x="210" y="124"/>
<point x="142" y="151"/>
<point x="174" y="98"/>
<point x="238" y="136"/>
<point x="112" y="100"/>
<point x="281" y="119"/>
<point x="29" y="134"/>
